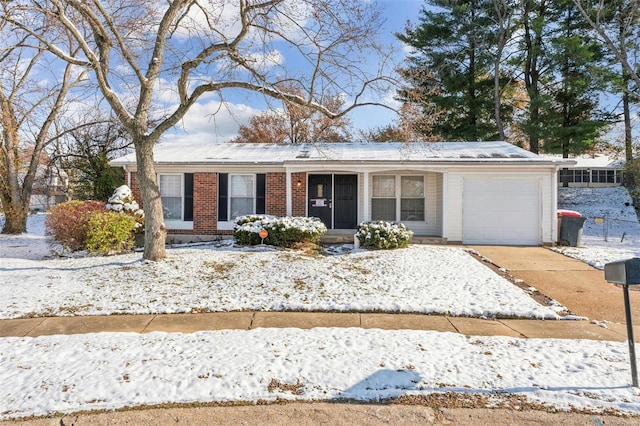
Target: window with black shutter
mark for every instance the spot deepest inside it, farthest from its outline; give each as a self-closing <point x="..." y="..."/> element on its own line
<point x="223" y="196"/>
<point x="261" y="193"/>
<point x="188" y="196"/>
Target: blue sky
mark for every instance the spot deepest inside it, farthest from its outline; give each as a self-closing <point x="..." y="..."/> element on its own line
<point x="201" y="125"/>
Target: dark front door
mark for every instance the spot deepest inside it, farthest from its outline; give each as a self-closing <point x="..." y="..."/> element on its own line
<point x="320" y="202"/>
<point x="345" y="201"/>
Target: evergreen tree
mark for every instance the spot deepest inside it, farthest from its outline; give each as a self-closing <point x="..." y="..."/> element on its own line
<point x="573" y="120"/>
<point x="450" y="71"/>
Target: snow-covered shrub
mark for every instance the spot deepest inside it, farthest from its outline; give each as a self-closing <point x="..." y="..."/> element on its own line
<point x="283" y="231"/>
<point x="383" y="235"/>
<point x="122" y="202"/>
<point x="68" y="222"/>
<point x="110" y="232"/>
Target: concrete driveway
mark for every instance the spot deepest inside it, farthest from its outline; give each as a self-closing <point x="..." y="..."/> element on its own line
<point x="576" y="285"/>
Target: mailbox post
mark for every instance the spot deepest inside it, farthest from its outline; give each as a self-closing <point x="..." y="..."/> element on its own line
<point x="626" y="272"/>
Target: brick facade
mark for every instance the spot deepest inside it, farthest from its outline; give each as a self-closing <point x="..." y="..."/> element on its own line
<point x="276" y="195"/>
<point x="205" y="203"/>
<point x="299" y="194"/>
<point x="135" y="188"/>
<point x="205" y="199"/>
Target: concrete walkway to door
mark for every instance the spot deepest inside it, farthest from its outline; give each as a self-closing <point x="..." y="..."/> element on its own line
<point x="576" y="285"/>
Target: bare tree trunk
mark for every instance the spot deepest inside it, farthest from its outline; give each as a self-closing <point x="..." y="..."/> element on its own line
<point x="15" y="207"/>
<point x="15" y="218"/>
<point x="531" y="74"/>
<point x="155" y="232"/>
<point x="497" y="98"/>
<point x="626" y="78"/>
<point x="628" y="138"/>
<point x="503" y="15"/>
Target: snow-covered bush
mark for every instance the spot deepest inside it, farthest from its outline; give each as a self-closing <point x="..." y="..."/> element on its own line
<point x="283" y="231"/>
<point x="68" y="222"/>
<point x="110" y="232"/>
<point x="122" y="202"/>
<point x="383" y="235"/>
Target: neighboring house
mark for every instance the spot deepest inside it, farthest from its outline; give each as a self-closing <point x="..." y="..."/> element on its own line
<point x="470" y="192"/>
<point x="597" y="171"/>
<point x="48" y="191"/>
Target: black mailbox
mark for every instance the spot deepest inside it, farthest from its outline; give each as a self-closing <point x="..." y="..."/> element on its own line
<point x="626" y="272"/>
<point x="623" y="271"/>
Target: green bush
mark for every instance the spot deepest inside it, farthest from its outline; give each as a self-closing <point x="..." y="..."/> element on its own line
<point x="383" y="235"/>
<point x="110" y="232"/>
<point x="283" y="231"/>
<point x="67" y="222"/>
<point x="122" y="202"/>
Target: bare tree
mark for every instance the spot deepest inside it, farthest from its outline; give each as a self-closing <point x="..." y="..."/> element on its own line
<point x="30" y="105"/>
<point x="296" y="124"/>
<point x="138" y="50"/>
<point x="598" y="15"/>
<point x="506" y="22"/>
<point x="616" y="23"/>
<point x="84" y="154"/>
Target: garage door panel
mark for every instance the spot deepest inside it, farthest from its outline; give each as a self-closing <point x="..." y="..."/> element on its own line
<point x="501" y="212"/>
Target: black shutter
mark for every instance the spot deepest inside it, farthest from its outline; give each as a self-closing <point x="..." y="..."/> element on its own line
<point x="261" y="193"/>
<point x="188" y="196"/>
<point x="223" y="196"/>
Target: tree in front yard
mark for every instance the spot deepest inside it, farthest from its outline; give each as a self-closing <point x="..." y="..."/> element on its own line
<point x="140" y="53"/>
<point x="32" y="104"/>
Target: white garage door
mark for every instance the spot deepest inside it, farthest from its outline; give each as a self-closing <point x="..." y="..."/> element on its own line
<point x="504" y="212"/>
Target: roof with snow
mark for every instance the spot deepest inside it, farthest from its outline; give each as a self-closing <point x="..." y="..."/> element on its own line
<point x="249" y="153"/>
<point x="597" y="161"/>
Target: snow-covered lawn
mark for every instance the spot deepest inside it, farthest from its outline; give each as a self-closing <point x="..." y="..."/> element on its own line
<point x="48" y="374"/>
<point x="422" y="279"/>
<point x="620" y="225"/>
<point x="111" y="370"/>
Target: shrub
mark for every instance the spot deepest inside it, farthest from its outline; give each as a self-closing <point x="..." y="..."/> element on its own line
<point x="383" y="235"/>
<point x="67" y="222"/>
<point x="122" y="202"/>
<point x="110" y="232"/>
<point x="283" y="231"/>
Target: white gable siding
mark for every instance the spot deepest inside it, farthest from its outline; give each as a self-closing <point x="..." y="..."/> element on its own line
<point x="454" y="207"/>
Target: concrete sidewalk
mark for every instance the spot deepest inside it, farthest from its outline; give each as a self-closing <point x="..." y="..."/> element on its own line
<point x="188" y="323"/>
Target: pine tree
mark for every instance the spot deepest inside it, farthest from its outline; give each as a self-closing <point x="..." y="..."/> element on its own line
<point x="450" y="72"/>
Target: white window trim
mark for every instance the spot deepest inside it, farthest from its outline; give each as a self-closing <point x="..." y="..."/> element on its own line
<point x="253" y="194"/>
<point x="423" y="198"/>
<point x="398" y="195"/>
<point x="395" y="194"/>
<point x="177" y="224"/>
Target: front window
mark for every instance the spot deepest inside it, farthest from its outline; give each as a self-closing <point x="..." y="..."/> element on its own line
<point x="412" y="198"/>
<point x="242" y="195"/>
<point x="383" y="201"/>
<point x="171" y="195"/>
<point x="396" y="197"/>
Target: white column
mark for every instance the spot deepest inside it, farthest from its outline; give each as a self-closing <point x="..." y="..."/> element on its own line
<point x="445" y="203"/>
<point x="289" y="194"/>
<point x="365" y="197"/>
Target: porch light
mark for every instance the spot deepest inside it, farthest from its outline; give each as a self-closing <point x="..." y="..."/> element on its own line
<point x="299" y="183"/>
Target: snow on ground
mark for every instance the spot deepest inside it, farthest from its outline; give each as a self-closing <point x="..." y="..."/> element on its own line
<point x="112" y="370"/>
<point x="422" y="279"/>
<point x="620" y="226"/>
<point x="32" y="245"/>
<point x="47" y="374"/>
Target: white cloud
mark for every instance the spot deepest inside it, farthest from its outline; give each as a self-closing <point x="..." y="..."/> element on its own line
<point x="265" y="61"/>
<point x="211" y="121"/>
